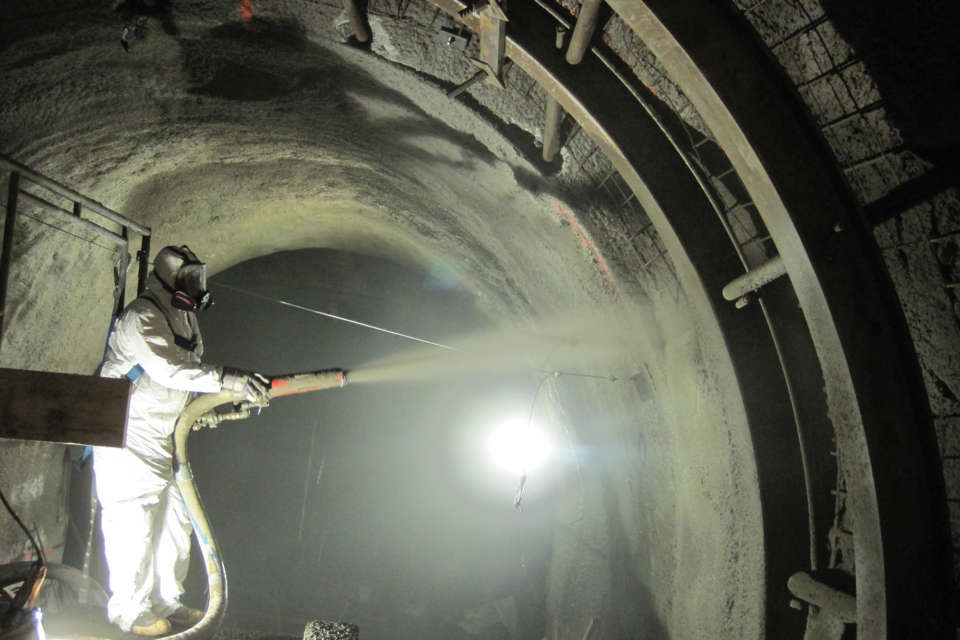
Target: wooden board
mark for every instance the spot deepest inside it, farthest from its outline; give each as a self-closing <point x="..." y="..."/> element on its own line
<point x="62" y="407"/>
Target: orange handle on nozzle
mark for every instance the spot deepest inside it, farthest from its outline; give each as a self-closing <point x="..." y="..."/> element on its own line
<point x="306" y="382"/>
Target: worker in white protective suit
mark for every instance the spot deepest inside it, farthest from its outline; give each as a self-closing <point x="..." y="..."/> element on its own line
<point x="156" y="343"/>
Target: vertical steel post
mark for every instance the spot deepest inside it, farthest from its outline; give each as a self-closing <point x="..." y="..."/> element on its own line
<point x="553" y="116"/>
<point x="551" y="130"/>
<point x="122" y="276"/>
<point x="143" y="258"/>
<point x="7" y="254"/>
<point x="360" y="31"/>
<point x="493" y="41"/>
<point x="583" y="30"/>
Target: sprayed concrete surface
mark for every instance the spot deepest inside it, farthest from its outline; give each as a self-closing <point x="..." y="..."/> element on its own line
<point x="245" y="140"/>
<point x="613" y="529"/>
<point x="248" y="137"/>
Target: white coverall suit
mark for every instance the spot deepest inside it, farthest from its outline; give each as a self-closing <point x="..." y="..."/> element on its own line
<point x="145" y="524"/>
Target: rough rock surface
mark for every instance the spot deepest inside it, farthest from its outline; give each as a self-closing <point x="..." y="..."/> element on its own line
<point x="246" y="138"/>
<point x="250" y="136"/>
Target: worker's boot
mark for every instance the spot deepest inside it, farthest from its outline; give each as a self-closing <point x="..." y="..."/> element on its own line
<point x="185" y="616"/>
<point x="149" y="625"/>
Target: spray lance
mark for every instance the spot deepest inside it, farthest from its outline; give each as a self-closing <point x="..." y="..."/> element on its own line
<point x="202" y="412"/>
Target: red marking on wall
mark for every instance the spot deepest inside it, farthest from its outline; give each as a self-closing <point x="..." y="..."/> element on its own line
<point x="29" y="556"/>
<point x="585" y="241"/>
<point x="246" y="10"/>
<point x="623" y="56"/>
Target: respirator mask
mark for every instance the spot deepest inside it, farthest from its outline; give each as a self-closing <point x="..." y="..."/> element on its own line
<point x="185" y="276"/>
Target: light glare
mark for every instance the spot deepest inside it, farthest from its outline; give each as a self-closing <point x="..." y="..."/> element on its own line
<point x="518" y="447"/>
<point x="38" y="623"/>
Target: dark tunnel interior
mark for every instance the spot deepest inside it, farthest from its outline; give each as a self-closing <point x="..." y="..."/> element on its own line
<point x="385" y="207"/>
<point x="379" y="501"/>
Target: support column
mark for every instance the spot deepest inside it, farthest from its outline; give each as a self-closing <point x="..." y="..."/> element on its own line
<point x="553" y="116"/>
<point x="583" y="31"/>
<point x="360" y="30"/>
<point x="7" y="254"/>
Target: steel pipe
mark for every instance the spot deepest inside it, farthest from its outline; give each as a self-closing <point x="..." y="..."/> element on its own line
<point x="360" y="30"/>
<point x="583" y="31"/>
<point x="755" y="278"/>
<point x="837" y="603"/>
<point x="553" y="115"/>
<point x="551" y="129"/>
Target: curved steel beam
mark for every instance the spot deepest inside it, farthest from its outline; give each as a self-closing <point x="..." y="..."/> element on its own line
<point x="874" y="390"/>
<point x="705" y="261"/>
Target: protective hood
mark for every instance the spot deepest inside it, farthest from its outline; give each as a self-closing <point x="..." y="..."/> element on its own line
<point x="184" y="275"/>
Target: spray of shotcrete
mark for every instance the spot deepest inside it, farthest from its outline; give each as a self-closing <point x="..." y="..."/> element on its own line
<point x="580" y="345"/>
<point x="606" y="342"/>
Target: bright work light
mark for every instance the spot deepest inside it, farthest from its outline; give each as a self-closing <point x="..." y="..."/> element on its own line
<point x="518" y="447"/>
<point x="38" y="623"/>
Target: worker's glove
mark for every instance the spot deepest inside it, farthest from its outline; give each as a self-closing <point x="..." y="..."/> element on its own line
<point x="254" y="386"/>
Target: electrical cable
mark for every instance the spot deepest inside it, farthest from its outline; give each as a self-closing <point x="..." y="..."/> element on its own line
<point x="518" y="497"/>
<point x="611" y="378"/>
<point x="40" y="557"/>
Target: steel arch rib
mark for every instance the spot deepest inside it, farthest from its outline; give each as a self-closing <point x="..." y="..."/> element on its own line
<point x="875" y="393"/>
<point x="705" y="261"/>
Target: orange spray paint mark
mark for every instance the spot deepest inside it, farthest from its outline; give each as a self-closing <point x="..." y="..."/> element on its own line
<point x="585" y="241"/>
<point x="246" y="10"/>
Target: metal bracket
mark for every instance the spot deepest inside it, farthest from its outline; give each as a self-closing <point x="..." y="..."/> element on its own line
<point x="491" y="25"/>
<point x="493" y="77"/>
<point x="453" y="39"/>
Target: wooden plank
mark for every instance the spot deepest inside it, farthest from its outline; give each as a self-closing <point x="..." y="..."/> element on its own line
<point x="62" y="407"/>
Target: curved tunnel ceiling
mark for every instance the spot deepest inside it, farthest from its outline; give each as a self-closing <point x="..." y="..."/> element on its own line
<point x="248" y="137"/>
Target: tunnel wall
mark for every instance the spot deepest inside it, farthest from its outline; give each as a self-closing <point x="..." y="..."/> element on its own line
<point x="878" y="90"/>
<point x="257" y="202"/>
<point x="876" y="153"/>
